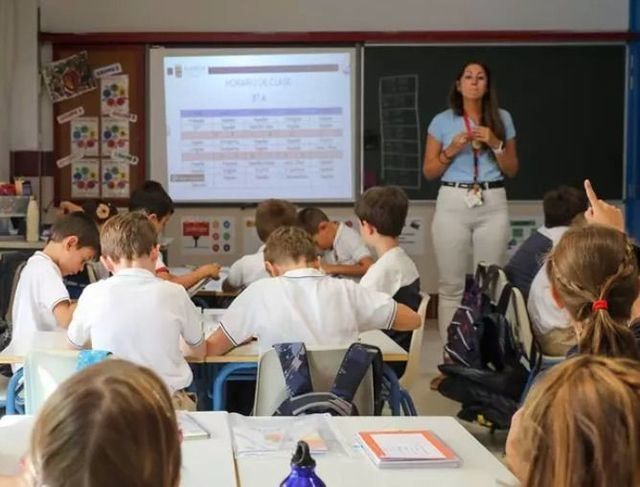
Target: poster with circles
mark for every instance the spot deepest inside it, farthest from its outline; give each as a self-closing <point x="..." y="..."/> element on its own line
<point x="201" y="235"/>
<point x="84" y="136"/>
<point x="114" y="94"/>
<point x="115" y="179"/>
<point x="84" y="179"/>
<point x="115" y="136"/>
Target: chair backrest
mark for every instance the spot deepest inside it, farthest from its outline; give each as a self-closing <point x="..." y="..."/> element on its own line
<point x="415" y="348"/>
<point x="44" y="371"/>
<point x="271" y="389"/>
<point x="14" y="287"/>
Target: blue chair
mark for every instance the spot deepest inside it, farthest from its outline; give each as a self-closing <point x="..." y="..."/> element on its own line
<point x="239" y="371"/>
<point x="398" y="398"/>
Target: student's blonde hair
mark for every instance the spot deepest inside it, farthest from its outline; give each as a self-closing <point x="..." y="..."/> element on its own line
<point x="110" y="424"/>
<point x="289" y="243"/>
<point x="580" y="426"/>
<point x="128" y="236"/>
<point x="592" y="263"/>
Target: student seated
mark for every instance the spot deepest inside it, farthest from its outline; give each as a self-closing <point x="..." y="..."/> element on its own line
<point x="301" y="304"/>
<point x="580" y="426"/>
<point x="154" y="201"/>
<point x="594" y="276"/>
<point x="270" y="215"/>
<point x="109" y="424"/>
<point x="135" y="315"/>
<point x="560" y="207"/>
<point x="41" y="302"/>
<point x="344" y="252"/>
<point x="382" y="212"/>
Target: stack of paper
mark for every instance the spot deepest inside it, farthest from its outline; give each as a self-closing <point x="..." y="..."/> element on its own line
<point x="389" y="449"/>
<point x="190" y="428"/>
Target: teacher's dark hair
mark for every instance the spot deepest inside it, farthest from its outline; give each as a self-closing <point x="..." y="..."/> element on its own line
<point x="490" y="115"/>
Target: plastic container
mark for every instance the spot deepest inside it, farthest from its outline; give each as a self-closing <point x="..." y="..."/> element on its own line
<point x="33" y="220"/>
<point x="302" y="469"/>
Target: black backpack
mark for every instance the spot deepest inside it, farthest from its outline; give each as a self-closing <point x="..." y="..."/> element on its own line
<point x="302" y="399"/>
<point x="490" y="381"/>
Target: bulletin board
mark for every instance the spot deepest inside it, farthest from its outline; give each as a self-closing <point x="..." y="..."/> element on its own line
<point x="99" y="121"/>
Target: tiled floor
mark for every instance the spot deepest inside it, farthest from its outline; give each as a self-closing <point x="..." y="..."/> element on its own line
<point x="431" y="403"/>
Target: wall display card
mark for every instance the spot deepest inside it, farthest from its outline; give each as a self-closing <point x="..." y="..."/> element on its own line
<point x="84" y="136"/>
<point x="65" y="161"/>
<point x="68" y="77"/>
<point x="223" y="235"/>
<point x="114" y="94"/>
<point x="195" y="237"/>
<point x="108" y="70"/>
<point x="115" y="136"/>
<point x="250" y="240"/>
<point x="70" y="115"/>
<point x="115" y="179"/>
<point x="413" y="238"/>
<point x="84" y="179"/>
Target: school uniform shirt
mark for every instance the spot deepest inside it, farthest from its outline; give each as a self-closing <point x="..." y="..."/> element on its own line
<point x="348" y="247"/>
<point x="305" y="305"/>
<point x="248" y="269"/>
<point x="40" y="289"/>
<point x="139" y="318"/>
<point x="395" y="274"/>
<point x="545" y="314"/>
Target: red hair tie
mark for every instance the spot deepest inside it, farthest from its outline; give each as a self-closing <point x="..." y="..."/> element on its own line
<point x="599" y="304"/>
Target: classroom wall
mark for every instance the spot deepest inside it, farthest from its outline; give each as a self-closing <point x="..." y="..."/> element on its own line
<point x="426" y="262"/>
<point x="330" y="15"/>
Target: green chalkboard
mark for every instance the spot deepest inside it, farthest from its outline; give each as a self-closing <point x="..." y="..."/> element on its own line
<point x="567" y="104"/>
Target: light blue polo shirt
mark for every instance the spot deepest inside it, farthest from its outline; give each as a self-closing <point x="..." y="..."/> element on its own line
<point x="445" y="126"/>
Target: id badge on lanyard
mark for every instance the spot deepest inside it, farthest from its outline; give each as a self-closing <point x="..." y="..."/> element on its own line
<point x="474" y="195"/>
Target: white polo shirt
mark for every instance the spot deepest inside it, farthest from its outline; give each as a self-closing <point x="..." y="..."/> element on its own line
<point x="248" y="269"/>
<point x="305" y="305"/>
<point x="139" y="318"/>
<point x="545" y="314"/>
<point x="392" y="271"/>
<point x="39" y="290"/>
<point x="348" y="247"/>
<point x="160" y="265"/>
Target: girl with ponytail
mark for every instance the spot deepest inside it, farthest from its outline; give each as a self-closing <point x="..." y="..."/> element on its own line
<point x="594" y="275"/>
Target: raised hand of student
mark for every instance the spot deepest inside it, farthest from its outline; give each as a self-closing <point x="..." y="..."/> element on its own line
<point x="601" y="212"/>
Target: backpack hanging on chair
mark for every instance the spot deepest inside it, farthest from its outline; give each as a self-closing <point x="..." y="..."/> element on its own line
<point x="302" y="399"/>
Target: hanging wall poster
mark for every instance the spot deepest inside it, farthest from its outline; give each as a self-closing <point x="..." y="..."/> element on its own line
<point x="84" y="136"/>
<point x="114" y="94"/>
<point x="84" y="179"/>
<point x="115" y="136"/>
<point x="68" y="77"/>
<point x="115" y="179"/>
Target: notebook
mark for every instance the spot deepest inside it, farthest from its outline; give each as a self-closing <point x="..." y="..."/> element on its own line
<point x="409" y="448"/>
<point x="193" y="290"/>
<point x="191" y="429"/>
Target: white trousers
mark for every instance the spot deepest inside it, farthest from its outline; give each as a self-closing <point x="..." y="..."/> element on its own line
<point x="463" y="237"/>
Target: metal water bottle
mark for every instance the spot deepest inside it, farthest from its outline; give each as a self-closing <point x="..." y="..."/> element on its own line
<point x="302" y="469"/>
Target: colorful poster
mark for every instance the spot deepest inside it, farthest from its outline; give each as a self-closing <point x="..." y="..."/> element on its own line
<point x="115" y="136"/>
<point x="68" y="77"/>
<point x="250" y="239"/>
<point x="114" y="94"/>
<point x="223" y="235"/>
<point x="84" y="179"/>
<point x="115" y="179"/>
<point x="84" y="136"/>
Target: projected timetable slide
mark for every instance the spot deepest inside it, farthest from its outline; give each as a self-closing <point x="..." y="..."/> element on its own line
<point x="249" y="127"/>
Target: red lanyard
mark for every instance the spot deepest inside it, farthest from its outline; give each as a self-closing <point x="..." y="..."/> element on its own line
<point x="476" y="168"/>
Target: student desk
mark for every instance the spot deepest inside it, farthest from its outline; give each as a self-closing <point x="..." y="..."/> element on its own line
<point x="210" y="462"/>
<point x="210" y="459"/>
<point x="213" y="287"/>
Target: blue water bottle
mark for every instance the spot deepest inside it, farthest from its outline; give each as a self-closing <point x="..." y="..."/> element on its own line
<point x="302" y="469"/>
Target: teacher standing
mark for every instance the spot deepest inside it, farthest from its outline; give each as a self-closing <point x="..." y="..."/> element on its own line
<point x="470" y="147"/>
